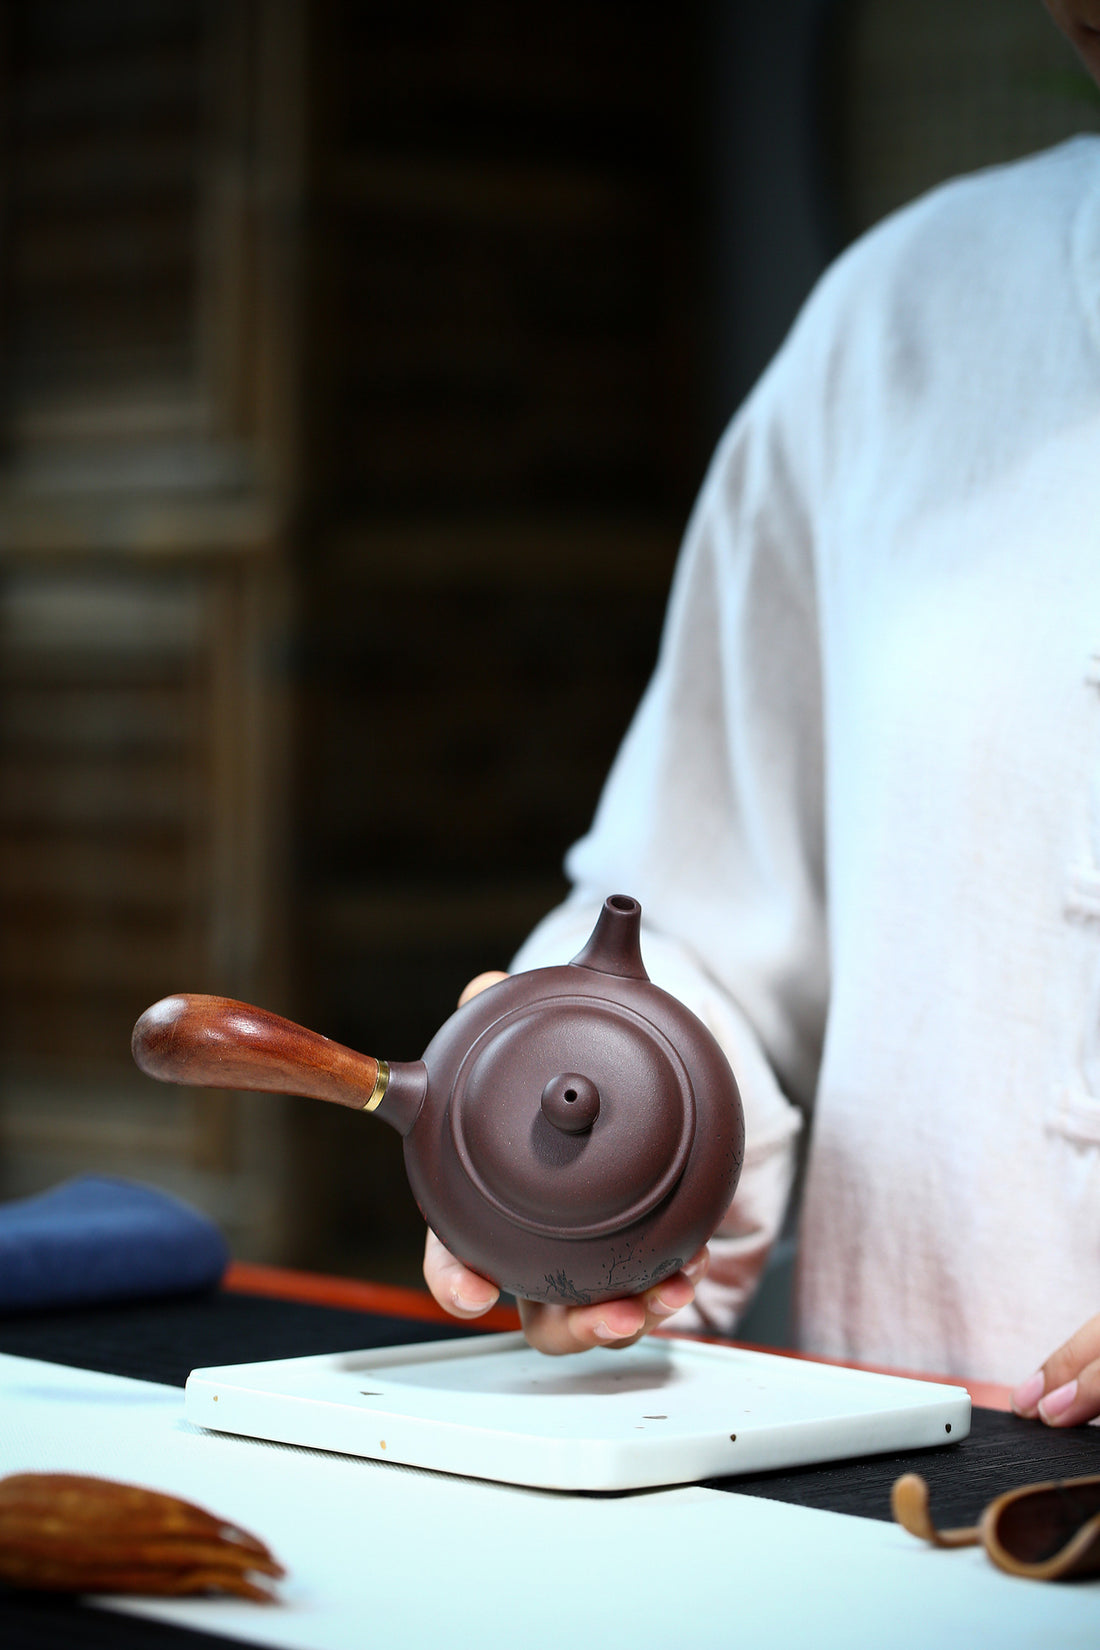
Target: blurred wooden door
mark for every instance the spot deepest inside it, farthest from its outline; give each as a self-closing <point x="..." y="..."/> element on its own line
<point x="150" y="164"/>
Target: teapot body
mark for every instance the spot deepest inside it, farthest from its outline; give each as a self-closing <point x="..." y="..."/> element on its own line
<point x="565" y="1208"/>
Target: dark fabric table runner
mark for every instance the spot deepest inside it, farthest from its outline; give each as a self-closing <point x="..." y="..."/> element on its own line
<point x="164" y="1341"/>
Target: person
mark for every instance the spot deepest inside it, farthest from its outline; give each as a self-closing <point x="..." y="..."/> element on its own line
<point x="860" y="801"/>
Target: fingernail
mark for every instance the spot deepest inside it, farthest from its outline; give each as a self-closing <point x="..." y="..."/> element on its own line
<point x="661" y="1309"/>
<point x="603" y="1333"/>
<point x="695" y="1269"/>
<point x="1057" y="1402"/>
<point x="473" y="1307"/>
<point x="1028" y="1393"/>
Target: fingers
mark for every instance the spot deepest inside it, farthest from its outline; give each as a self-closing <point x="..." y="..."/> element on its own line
<point x="463" y="1293"/>
<point x="480" y="983"/>
<point x="619" y="1323"/>
<point x="561" y="1329"/>
<point x="1066" y="1391"/>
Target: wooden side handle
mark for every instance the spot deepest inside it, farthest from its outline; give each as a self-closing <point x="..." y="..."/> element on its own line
<point x="214" y="1042"/>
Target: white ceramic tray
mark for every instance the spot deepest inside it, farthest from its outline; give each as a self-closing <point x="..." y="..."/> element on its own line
<point x="664" y="1411"/>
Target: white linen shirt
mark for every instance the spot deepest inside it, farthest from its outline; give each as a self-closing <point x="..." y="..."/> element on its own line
<point x="860" y="800"/>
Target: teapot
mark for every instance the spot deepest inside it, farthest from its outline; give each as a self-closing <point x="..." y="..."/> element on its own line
<point x="573" y="1133"/>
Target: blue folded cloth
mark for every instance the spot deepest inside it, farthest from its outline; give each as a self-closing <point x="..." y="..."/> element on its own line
<point x="100" y="1239"/>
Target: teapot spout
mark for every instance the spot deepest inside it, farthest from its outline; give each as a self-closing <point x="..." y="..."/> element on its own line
<point x="614" y="946"/>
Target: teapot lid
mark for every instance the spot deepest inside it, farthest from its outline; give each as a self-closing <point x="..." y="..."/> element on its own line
<point x="573" y="1113"/>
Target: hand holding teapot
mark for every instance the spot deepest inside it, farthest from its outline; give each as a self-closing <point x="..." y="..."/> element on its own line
<point x="574" y="1134"/>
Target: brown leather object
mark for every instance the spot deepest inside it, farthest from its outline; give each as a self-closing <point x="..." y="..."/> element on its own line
<point x="1047" y="1532"/>
<point x="62" y="1532"/>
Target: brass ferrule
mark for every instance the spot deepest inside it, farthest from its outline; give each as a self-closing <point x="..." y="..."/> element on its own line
<point x="381" y="1083"/>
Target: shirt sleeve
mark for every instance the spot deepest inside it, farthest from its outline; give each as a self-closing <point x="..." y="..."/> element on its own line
<point x="713" y="816"/>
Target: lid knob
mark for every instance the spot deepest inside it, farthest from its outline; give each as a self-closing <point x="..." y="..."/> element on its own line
<point x="571" y="1102"/>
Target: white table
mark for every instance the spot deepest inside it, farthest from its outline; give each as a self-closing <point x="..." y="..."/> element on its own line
<point x="385" y="1555"/>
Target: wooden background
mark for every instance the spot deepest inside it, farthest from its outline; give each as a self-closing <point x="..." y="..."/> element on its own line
<point x="359" y="363"/>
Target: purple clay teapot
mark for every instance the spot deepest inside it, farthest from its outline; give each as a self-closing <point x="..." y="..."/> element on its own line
<point x="572" y="1133"/>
